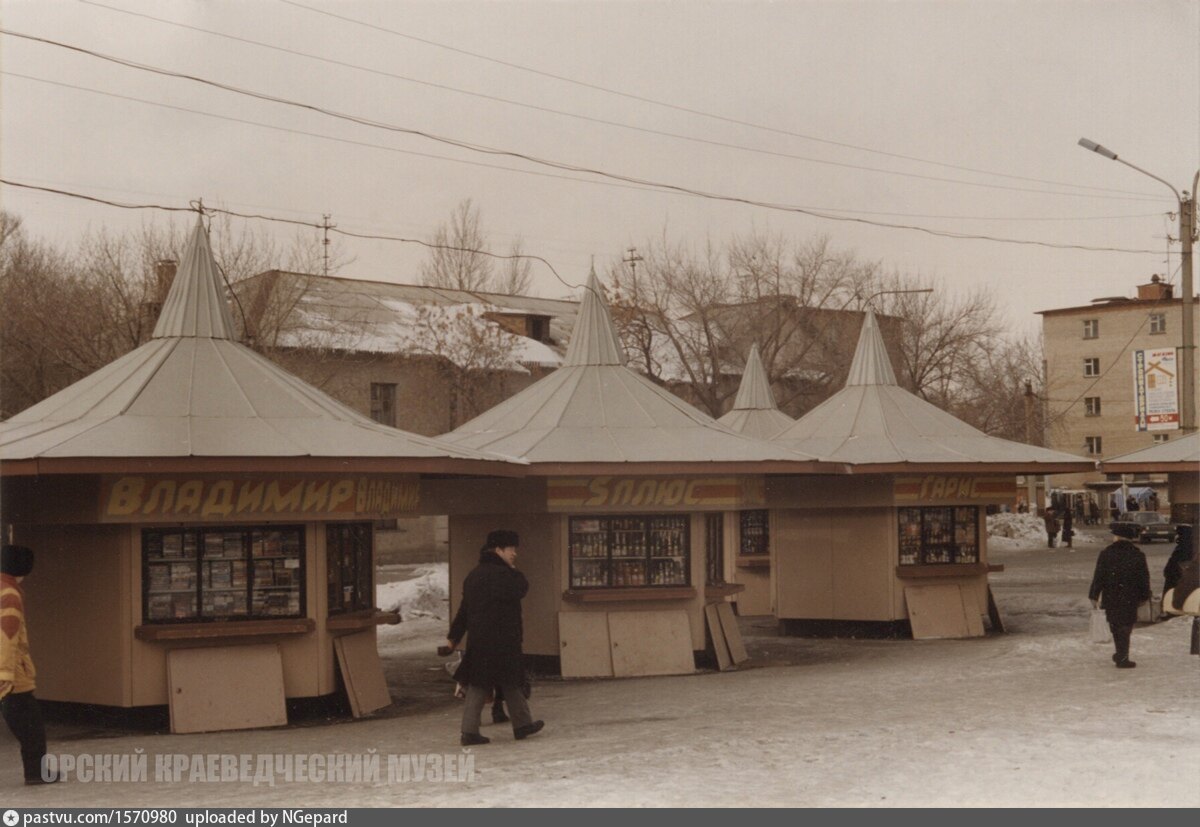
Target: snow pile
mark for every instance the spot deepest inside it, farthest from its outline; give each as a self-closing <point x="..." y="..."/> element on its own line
<point x="1011" y="531"/>
<point x="426" y="595"/>
<point x="1015" y="530"/>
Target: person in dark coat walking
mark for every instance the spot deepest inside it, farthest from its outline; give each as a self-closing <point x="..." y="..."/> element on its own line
<point x="1068" y="529"/>
<point x="1120" y="584"/>
<point x="1182" y="553"/>
<point x="1051" y="521"/>
<point x="490" y="618"/>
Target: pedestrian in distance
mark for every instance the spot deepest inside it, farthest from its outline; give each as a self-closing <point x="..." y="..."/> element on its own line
<point x="489" y="616"/>
<point x="1120" y="584"/>
<point x="1068" y="529"/>
<point x="1051" y="521"/>
<point x="17" y="674"/>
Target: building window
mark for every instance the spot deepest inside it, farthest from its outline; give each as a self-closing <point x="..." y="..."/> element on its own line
<point x="383" y="403"/>
<point x="203" y="574"/>
<point x="1158" y="322"/>
<point x="620" y="552"/>
<point x="755" y="534"/>
<point x="939" y="535"/>
<point x="1091" y="328"/>
<point x="1161" y="438"/>
<point x="539" y="328"/>
<point x="1091" y="406"/>
<point x="1091" y="367"/>
<point x="1093" y="445"/>
<point x="714" y="548"/>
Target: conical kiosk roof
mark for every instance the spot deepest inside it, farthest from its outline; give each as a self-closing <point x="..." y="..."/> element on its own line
<point x="874" y="425"/>
<point x="754" y="410"/>
<point x="595" y="412"/>
<point x="193" y="396"/>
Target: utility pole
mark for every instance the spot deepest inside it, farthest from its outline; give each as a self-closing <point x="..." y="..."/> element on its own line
<point x="1030" y="479"/>
<point x="632" y="259"/>
<point x="1187" y="236"/>
<point x="326" y="227"/>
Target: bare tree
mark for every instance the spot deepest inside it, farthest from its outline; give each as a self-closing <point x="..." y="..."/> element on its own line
<point x="516" y="276"/>
<point x="459" y="258"/>
<point x="687" y="318"/>
<point x="946" y="339"/>
<point x="473" y="354"/>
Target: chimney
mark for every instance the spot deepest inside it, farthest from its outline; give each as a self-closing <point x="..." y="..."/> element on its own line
<point x="1154" y="291"/>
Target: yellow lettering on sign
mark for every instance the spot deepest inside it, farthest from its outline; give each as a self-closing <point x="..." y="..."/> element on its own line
<point x="219" y="500"/>
<point x="161" y="498"/>
<point x="343" y="491"/>
<point x="316" y="496"/>
<point x="190" y="495"/>
<point x="276" y="500"/>
<point x="250" y="497"/>
<point x="126" y="496"/>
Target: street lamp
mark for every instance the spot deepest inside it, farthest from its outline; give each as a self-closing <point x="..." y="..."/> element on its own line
<point x="1187" y="234"/>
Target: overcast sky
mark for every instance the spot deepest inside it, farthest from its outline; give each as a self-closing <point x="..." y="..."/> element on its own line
<point x="837" y="90"/>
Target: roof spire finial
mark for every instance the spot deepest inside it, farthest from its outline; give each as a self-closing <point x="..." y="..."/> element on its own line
<point x="195" y="305"/>
<point x="594" y="340"/>
<point x="871" y="365"/>
<point x="754" y="393"/>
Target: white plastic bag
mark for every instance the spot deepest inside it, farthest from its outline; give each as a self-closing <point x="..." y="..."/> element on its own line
<point x="1100" y="633"/>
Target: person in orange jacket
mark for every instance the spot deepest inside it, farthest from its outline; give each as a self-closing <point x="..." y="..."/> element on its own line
<point x="17" y="703"/>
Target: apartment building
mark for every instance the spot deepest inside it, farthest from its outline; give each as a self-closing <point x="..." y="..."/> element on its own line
<point x="1097" y="403"/>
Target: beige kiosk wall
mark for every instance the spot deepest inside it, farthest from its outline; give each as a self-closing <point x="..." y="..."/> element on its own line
<point x="831" y="547"/>
<point x="75" y="598"/>
<point x="307" y="658"/>
<point x="542" y="541"/>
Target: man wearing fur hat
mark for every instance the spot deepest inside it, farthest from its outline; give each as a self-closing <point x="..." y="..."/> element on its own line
<point x="490" y="618"/>
<point x="1121" y="584"/>
<point x="17" y="704"/>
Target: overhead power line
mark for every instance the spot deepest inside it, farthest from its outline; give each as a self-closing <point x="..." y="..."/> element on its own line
<point x="560" y="165"/>
<point x="515" y="170"/>
<point x="324" y="226"/>
<point x="627" y="126"/>
<point x="667" y="104"/>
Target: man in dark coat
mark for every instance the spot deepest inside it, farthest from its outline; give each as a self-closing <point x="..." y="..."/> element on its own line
<point x="1051" y="521"/>
<point x="1121" y="584"/>
<point x="490" y="618"/>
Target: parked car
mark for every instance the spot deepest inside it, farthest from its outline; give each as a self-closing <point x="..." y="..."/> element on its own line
<point x="1151" y="525"/>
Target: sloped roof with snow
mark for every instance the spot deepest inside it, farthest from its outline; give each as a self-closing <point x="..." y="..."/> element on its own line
<point x="875" y="424"/>
<point x="754" y="410"/>
<point x="1182" y="454"/>
<point x="192" y="391"/>
<point x="382" y="317"/>
<point x="595" y="410"/>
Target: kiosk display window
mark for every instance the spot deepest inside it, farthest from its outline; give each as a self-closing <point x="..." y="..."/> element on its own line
<point x="348" y="550"/>
<point x="200" y="574"/>
<point x="939" y="535"/>
<point x="621" y="552"/>
<point x="755" y="536"/>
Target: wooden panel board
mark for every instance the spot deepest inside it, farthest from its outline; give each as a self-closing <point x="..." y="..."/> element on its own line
<point x="717" y="634"/>
<point x="651" y="643"/>
<point x="936" y="611"/>
<point x="362" y="672"/>
<point x="226" y="687"/>
<point x="584" y="644"/>
<point x="733" y="635"/>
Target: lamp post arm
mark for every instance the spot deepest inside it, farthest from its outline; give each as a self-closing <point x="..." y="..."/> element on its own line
<point x="1171" y="186"/>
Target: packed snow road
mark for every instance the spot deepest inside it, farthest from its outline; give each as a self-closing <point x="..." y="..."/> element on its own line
<point x="1038" y="716"/>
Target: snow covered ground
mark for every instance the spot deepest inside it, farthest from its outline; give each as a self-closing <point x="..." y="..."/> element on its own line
<point x="1038" y="716"/>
